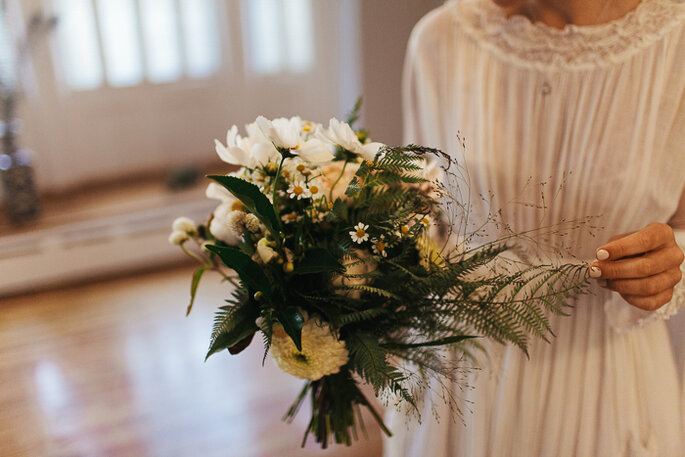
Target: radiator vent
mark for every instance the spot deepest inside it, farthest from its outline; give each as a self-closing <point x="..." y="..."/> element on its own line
<point x="95" y="248"/>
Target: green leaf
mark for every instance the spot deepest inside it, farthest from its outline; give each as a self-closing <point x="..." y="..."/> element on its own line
<point x="233" y="327"/>
<point x="241" y="345"/>
<point x="318" y="260"/>
<point x="251" y="274"/>
<point x="292" y="320"/>
<point x="193" y="287"/>
<point x="253" y="200"/>
<point x="368" y="358"/>
<point x="440" y="342"/>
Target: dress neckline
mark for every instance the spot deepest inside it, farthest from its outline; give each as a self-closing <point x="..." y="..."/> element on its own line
<point x="516" y="38"/>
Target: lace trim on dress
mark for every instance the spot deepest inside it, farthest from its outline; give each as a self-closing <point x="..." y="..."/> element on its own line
<point x="519" y="40"/>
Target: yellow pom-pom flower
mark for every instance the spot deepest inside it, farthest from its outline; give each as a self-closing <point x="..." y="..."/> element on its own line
<point x="322" y="352"/>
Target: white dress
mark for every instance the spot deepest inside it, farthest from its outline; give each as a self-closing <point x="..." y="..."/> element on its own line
<point x="597" y="113"/>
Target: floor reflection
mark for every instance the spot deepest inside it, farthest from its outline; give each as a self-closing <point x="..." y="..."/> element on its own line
<point x="116" y="369"/>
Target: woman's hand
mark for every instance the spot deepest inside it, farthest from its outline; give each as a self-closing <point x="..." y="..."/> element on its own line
<point x="642" y="266"/>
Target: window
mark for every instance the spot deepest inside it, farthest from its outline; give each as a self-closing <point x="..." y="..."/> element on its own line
<point x="126" y="42"/>
<point x="280" y="36"/>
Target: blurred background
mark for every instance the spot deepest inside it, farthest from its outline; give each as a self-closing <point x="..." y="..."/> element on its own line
<point x="109" y="109"/>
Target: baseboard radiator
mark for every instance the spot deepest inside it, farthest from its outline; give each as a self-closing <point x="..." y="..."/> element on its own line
<point x="81" y="251"/>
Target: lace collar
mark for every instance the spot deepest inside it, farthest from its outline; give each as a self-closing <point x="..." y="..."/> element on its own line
<point x="519" y="40"/>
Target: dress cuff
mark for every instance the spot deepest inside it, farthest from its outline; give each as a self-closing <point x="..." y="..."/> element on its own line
<point x="624" y="317"/>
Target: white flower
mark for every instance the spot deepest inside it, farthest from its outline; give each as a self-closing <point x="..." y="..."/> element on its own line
<point x="184" y="224"/>
<point x="314" y="151"/>
<point x="342" y="134"/>
<point x="322" y="352"/>
<point x="291" y="217"/>
<point x="249" y="152"/>
<point x="298" y="190"/>
<point x="425" y="221"/>
<point x="379" y="246"/>
<point x="360" y="234"/>
<point x="266" y="253"/>
<point x="314" y="190"/>
<point x="178" y="237"/>
<point x="218" y="192"/>
<point x="283" y="133"/>
<point x="219" y="226"/>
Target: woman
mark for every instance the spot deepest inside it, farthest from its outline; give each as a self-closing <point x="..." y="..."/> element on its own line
<point x="588" y="98"/>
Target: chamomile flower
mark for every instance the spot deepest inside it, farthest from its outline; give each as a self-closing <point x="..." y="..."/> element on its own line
<point x="425" y="221"/>
<point x="298" y="190"/>
<point x="379" y="246"/>
<point x="291" y="217"/>
<point x="360" y="234"/>
<point x="315" y="190"/>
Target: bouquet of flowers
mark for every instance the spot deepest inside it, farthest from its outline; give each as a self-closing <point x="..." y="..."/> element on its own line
<point x="337" y="265"/>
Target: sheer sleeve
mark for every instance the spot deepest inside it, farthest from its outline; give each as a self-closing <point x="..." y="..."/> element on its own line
<point x="624" y="317"/>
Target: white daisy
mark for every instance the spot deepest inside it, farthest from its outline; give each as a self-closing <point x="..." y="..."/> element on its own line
<point x="360" y="234"/>
<point x="291" y="217"/>
<point x="298" y="190"/>
<point x="379" y="246"/>
<point x="425" y="221"/>
<point x="315" y="190"/>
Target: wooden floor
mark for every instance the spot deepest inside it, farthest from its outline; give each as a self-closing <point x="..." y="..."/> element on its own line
<point x="115" y="369"/>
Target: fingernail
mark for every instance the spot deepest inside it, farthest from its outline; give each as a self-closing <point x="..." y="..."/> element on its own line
<point x="602" y="254"/>
<point x="595" y="272"/>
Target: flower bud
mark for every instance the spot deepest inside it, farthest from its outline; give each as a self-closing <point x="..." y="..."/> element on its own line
<point x="252" y="223"/>
<point x="184" y="224"/>
<point x="178" y="237"/>
<point x="288" y="267"/>
<point x="266" y="253"/>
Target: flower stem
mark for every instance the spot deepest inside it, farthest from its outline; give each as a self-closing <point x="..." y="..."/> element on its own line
<point x="193" y="255"/>
<point x="275" y="183"/>
<point x="330" y="194"/>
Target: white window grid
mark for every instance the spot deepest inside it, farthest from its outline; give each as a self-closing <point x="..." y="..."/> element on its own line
<point x="123" y="43"/>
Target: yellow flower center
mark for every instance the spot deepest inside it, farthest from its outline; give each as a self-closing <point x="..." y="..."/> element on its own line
<point x="292" y="216"/>
<point x="297" y="190"/>
<point x="380" y="246"/>
<point x="425" y="221"/>
<point x="300" y="168"/>
<point x="361" y="233"/>
<point x="314" y="189"/>
<point x="404" y="229"/>
<point x="236" y="206"/>
<point x="307" y="172"/>
<point x="307" y="127"/>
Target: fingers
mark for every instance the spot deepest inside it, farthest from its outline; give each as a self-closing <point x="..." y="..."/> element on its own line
<point x="646" y="287"/>
<point x="652" y="302"/>
<point x="652" y="237"/>
<point x="643" y="266"/>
